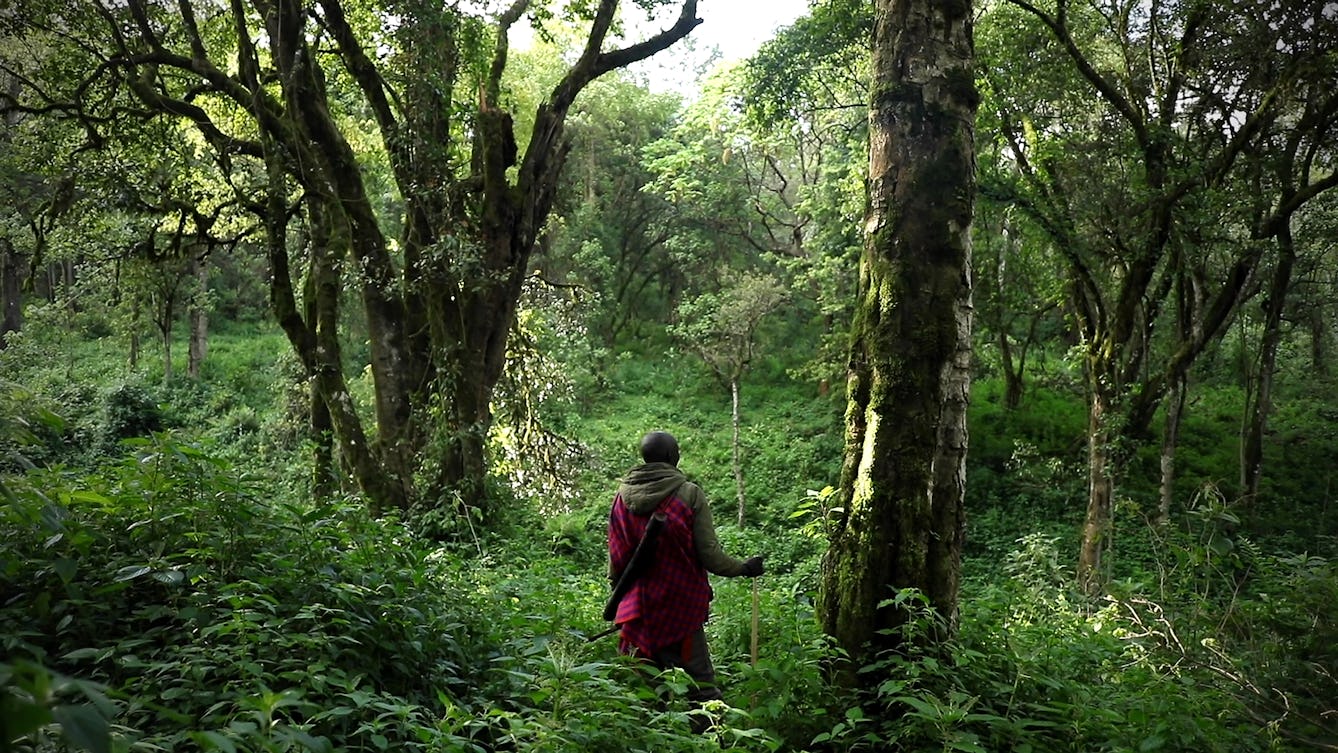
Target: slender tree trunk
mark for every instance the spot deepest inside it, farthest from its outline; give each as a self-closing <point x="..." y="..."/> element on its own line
<point x="12" y="267"/>
<point x="1098" y="528"/>
<point x="320" y="303"/>
<point x="738" y="460"/>
<point x="68" y="278"/>
<point x="134" y="332"/>
<point x="1261" y="404"/>
<point x="1170" y="440"/>
<point x="165" y="332"/>
<point x="1013" y="384"/>
<point x="1319" y="338"/>
<point x="903" y="478"/>
<point x="12" y="263"/>
<point x="199" y="317"/>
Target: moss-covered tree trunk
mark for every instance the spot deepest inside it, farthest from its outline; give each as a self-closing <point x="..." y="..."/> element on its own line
<point x="904" y="473"/>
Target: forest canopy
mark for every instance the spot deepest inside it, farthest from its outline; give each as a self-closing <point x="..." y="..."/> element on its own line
<point x="1004" y="330"/>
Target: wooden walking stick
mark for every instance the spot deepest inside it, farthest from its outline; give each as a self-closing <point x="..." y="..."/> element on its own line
<point x="754" y="645"/>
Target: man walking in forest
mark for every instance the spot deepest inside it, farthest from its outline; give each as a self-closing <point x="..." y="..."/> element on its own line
<point x="662" y="613"/>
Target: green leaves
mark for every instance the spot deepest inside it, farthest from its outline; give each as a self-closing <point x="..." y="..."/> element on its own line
<point x="84" y="727"/>
<point x="33" y="705"/>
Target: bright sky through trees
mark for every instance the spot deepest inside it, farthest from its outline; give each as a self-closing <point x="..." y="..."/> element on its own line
<point x="731" y="30"/>
<point x="737" y="27"/>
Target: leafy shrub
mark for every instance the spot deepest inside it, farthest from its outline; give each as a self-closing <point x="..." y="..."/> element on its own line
<point x="30" y="432"/>
<point x="1037" y="667"/>
<point x="201" y="606"/>
<point x="130" y="411"/>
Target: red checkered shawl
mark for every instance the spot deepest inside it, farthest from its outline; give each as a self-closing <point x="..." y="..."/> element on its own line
<point x="670" y="601"/>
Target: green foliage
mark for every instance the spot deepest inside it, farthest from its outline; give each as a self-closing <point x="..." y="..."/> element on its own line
<point x="1037" y="667"/>
<point x="28" y="427"/>
<point x="166" y="600"/>
<point x="131" y="412"/>
<point x="725" y="328"/>
<point x="794" y="72"/>
<point x="204" y="608"/>
<point x="38" y="704"/>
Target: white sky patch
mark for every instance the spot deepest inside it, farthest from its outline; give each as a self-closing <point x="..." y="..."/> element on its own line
<point x="739" y="27"/>
<point x="731" y="30"/>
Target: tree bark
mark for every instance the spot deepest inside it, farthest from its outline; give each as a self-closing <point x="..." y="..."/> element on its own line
<point x="133" y="355"/>
<point x="12" y="263"/>
<point x="1170" y="441"/>
<point x="1012" y="373"/>
<point x="1261" y="401"/>
<point x="1098" y="527"/>
<point x="324" y="482"/>
<point x="164" y="316"/>
<point x="902" y="481"/>
<point x="1319" y="337"/>
<point x="199" y="316"/>
<point x="11" y="291"/>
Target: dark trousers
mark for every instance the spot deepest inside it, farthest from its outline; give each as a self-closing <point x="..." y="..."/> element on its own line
<point x="694" y="657"/>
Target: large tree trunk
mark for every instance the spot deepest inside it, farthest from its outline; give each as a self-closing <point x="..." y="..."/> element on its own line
<point x="324" y="482"/>
<point x="902" y="482"/>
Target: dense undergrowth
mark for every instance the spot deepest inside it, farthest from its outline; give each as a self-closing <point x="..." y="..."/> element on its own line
<point x="167" y="585"/>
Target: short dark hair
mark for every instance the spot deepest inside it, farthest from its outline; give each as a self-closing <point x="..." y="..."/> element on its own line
<point x="659" y="447"/>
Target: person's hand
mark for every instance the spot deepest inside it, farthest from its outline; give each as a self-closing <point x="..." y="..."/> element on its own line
<point x="752" y="567"/>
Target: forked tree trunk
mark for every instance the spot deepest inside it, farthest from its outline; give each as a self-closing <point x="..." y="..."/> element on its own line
<point x="902" y="482"/>
<point x="439" y="307"/>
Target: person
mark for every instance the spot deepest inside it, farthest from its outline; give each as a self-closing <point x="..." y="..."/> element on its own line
<point x="661" y="619"/>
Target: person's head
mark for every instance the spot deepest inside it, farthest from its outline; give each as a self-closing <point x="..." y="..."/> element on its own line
<point x="659" y="447"/>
